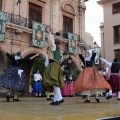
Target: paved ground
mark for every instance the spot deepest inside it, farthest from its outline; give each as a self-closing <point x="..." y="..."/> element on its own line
<point x="72" y="109"/>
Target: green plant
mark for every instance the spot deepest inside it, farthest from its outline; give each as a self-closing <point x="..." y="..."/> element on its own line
<point x="9" y="62"/>
<point x="38" y="64"/>
<point x="67" y="74"/>
<point x="77" y="72"/>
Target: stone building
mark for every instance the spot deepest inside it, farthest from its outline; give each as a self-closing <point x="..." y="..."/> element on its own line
<point x="61" y="15"/>
<point x="110" y="29"/>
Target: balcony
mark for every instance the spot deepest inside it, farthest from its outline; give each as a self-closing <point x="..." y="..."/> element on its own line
<point x="18" y="20"/>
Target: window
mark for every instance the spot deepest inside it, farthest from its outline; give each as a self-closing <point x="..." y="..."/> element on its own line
<point x="35" y="12"/>
<point x="67" y="24"/>
<point x="116" y="34"/>
<point x="0" y="5"/>
<point x="116" y="8"/>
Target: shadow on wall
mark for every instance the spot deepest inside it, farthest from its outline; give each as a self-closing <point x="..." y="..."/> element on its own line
<point x="2" y="62"/>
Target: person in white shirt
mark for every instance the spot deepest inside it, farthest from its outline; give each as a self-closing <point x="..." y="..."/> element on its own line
<point x="37" y="84"/>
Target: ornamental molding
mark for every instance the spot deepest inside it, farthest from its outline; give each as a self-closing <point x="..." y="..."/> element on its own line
<point x="68" y="7"/>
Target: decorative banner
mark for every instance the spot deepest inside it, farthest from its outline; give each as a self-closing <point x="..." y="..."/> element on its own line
<point x="38" y="36"/>
<point x="2" y="25"/>
<point x="72" y="42"/>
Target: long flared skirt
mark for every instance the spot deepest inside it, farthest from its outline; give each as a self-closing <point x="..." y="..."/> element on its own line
<point x="37" y="87"/>
<point x="90" y="82"/>
<point x="11" y="81"/>
<point x="70" y="89"/>
<point x="64" y="91"/>
<point x="114" y="82"/>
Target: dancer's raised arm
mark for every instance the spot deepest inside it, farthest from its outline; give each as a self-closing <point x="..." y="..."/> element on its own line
<point x="106" y="62"/>
<point x="51" y="40"/>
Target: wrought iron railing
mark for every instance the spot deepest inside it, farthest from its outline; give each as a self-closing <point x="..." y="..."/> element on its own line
<point x="24" y="22"/>
<point x="18" y="20"/>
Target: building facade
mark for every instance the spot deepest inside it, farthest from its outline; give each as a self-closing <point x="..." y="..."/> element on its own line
<point x="89" y="40"/>
<point x="61" y="15"/>
<point x="110" y="29"/>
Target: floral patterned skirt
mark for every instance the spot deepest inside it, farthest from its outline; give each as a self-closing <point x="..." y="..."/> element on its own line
<point x="12" y="81"/>
<point x="90" y="82"/>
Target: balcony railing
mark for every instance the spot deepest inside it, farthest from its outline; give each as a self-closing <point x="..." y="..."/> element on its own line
<point x="24" y="22"/>
<point x="18" y="20"/>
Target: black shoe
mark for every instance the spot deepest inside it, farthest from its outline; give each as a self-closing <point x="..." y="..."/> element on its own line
<point x="87" y="101"/>
<point x="61" y="101"/>
<point x="84" y="97"/>
<point x="49" y="99"/>
<point x="118" y="98"/>
<point x="55" y="103"/>
<point x="8" y="98"/>
<point x="16" y="100"/>
<point x="108" y="97"/>
<point x="97" y="100"/>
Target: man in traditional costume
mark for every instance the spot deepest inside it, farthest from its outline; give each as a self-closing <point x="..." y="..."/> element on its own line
<point x="53" y="76"/>
<point x="114" y="80"/>
<point x="90" y="82"/>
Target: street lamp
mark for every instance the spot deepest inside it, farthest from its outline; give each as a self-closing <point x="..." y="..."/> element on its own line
<point x="65" y="55"/>
<point x="65" y="59"/>
<point x="19" y="2"/>
<point x="69" y="60"/>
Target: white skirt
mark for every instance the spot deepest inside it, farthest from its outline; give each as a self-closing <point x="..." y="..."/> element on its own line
<point x="93" y="91"/>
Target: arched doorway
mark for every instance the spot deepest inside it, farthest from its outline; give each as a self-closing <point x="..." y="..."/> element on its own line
<point x="27" y="67"/>
<point x="72" y="67"/>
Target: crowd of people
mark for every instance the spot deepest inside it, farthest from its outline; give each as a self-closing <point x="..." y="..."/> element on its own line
<point x="88" y="83"/>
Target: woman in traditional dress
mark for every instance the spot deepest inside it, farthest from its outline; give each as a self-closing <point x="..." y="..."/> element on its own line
<point x="64" y="91"/>
<point x="114" y="80"/>
<point x="90" y="82"/>
<point x="53" y="76"/>
<point x="37" y="84"/>
<point x="70" y="86"/>
<point x="13" y="79"/>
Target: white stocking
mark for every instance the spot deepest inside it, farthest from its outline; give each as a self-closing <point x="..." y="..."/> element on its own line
<point x="58" y="93"/>
<point x="119" y="94"/>
<point x="15" y="96"/>
<point x="96" y="96"/>
<point x="107" y="94"/>
<point x="110" y="92"/>
<point x="55" y="96"/>
<point x="39" y="94"/>
<point x="48" y="95"/>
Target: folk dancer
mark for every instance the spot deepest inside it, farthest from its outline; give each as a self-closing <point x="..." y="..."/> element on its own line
<point x="114" y="80"/>
<point x="53" y="76"/>
<point x="13" y="79"/>
<point x="90" y="82"/>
